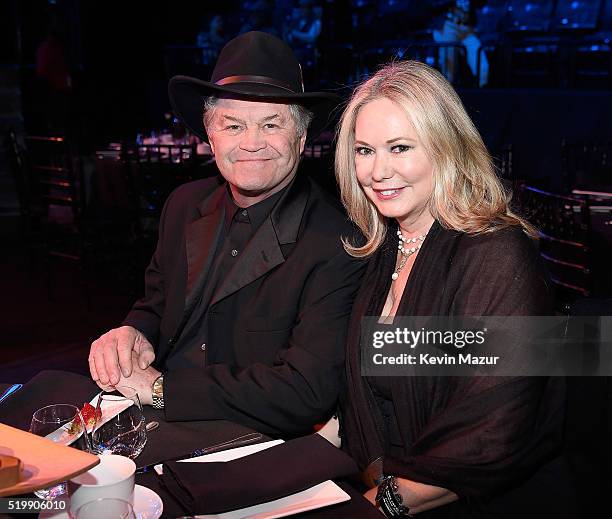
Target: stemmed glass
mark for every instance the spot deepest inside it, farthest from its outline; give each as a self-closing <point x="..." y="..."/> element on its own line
<point x="125" y="433"/>
<point x="64" y="424"/>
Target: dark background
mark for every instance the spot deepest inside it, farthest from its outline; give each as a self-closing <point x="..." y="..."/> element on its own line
<point x="550" y="85"/>
<point x="549" y="91"/>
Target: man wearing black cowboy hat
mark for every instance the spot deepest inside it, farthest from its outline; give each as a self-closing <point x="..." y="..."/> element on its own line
<point x="249" y="291"/>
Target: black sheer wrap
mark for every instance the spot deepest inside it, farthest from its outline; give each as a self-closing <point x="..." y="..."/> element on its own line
<point x="476" y="436"/>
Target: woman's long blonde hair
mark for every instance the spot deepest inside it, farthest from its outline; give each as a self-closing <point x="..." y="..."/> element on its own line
<point x="467" y="195"/>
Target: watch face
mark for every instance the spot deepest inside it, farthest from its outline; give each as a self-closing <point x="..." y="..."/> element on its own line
<point x="158" y="392"/>
<point x="158" y="385"/>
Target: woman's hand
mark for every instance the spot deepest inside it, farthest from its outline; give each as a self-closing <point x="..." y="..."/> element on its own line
<point x="370" y="495"/>
<point x="418" y="497"/>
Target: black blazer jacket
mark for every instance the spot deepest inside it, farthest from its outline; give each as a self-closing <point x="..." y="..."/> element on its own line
<point x="280" y="315"/>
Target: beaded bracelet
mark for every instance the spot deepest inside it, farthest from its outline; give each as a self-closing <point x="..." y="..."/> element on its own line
<point x="389" y="500"/>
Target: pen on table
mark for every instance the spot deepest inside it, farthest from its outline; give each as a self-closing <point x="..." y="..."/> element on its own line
<point x="240" y="440"/>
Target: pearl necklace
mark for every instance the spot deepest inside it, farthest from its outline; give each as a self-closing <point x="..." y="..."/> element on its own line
<point x="407" y="251"/>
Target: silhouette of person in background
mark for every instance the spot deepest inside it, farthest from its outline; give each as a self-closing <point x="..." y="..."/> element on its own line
<point x="305" y="24"/>
<point x="54" y="76"/>
<point x="259" y="17"/>
<point x="211" y="38"/>
<point x="302" y="32"/>
<point x="459" y="27"/>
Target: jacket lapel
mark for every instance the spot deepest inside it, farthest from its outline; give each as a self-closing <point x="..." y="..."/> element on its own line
<point x="202" y="238"/>
<point x="263" y="252"/>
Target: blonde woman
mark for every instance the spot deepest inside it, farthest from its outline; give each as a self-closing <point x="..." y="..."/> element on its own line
<point x="441" y="240"/>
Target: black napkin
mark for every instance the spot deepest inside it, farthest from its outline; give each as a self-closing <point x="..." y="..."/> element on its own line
<point x="293" y="466"/>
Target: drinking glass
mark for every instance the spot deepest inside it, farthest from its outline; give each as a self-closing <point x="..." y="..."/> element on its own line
<point x="105" y="508"/>
<point x="64" y="424"/>
<point x="124" y="434"/>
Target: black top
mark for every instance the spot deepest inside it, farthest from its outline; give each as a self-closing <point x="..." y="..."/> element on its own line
<point x="476" y="436"/>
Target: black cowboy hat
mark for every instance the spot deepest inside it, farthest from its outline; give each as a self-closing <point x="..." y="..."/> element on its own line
<point x="256" y="66"/>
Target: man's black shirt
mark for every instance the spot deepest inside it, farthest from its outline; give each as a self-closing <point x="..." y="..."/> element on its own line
<point x="240" y="224"/>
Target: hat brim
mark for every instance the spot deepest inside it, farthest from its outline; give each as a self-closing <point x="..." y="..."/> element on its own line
<point x="187" y="99"/>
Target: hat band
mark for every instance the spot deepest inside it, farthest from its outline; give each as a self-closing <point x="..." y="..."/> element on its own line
<point x="264" y="80"/>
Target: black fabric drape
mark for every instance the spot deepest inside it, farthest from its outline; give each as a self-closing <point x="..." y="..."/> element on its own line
<point x="476" y="436"/>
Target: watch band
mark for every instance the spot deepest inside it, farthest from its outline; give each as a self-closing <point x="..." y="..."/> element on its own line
<point x="158" y="392"/>
<point x="390" y="500"/>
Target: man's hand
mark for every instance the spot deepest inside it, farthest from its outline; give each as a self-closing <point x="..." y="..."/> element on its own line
<point x="141" y="380"/>
<point x="110" y="355"/>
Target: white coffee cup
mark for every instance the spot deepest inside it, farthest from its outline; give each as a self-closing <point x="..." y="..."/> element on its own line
<point x="112" y="477"/>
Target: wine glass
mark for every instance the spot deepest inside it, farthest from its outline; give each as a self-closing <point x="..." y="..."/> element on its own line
<point x="63" y="424"/>
<point x="105" y="507"/>
<point x="125" y="433"/>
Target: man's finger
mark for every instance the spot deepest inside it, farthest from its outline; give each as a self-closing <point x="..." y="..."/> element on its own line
<point x="145" y="358"/>
<point x="124" y="353"/>
<point x="92" y="367"/>
<point x="103" y="387"/>
<point x="146" y="353"/>
<point x="98" y="359"/>
<point x="111" y="361"/>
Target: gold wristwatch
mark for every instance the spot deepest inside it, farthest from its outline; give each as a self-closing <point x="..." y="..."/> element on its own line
<point x="158" y="392"/>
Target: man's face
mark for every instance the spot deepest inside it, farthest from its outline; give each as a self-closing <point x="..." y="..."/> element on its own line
<point x="256" y="147"/>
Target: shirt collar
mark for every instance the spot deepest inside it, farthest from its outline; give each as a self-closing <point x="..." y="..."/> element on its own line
<point x="257" y="213"/>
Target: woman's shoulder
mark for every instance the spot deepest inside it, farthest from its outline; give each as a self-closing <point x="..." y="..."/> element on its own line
<point x="503" y="272"/>
<point x="511" y="243"/>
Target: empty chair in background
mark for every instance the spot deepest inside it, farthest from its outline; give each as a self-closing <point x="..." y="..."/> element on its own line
<point x="55" y="194"/>
<point x="563" y="224"/>
<point x="153" y="171"/>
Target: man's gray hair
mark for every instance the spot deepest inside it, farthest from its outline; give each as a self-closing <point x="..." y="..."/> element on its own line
<point x="301" y="116"/>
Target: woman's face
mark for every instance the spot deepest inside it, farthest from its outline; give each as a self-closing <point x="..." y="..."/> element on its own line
<point x="391" y="164"/>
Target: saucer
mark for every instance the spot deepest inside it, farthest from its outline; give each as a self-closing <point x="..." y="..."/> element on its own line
<point x="147" y="505"/>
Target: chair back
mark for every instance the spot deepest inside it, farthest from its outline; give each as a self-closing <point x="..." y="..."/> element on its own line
<point x="153" y="171"/>
<point x="56" y="197"/>
<point x="564" y="229"/>
<point x="54" y="176"/>
<point x="16" y="162"/>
